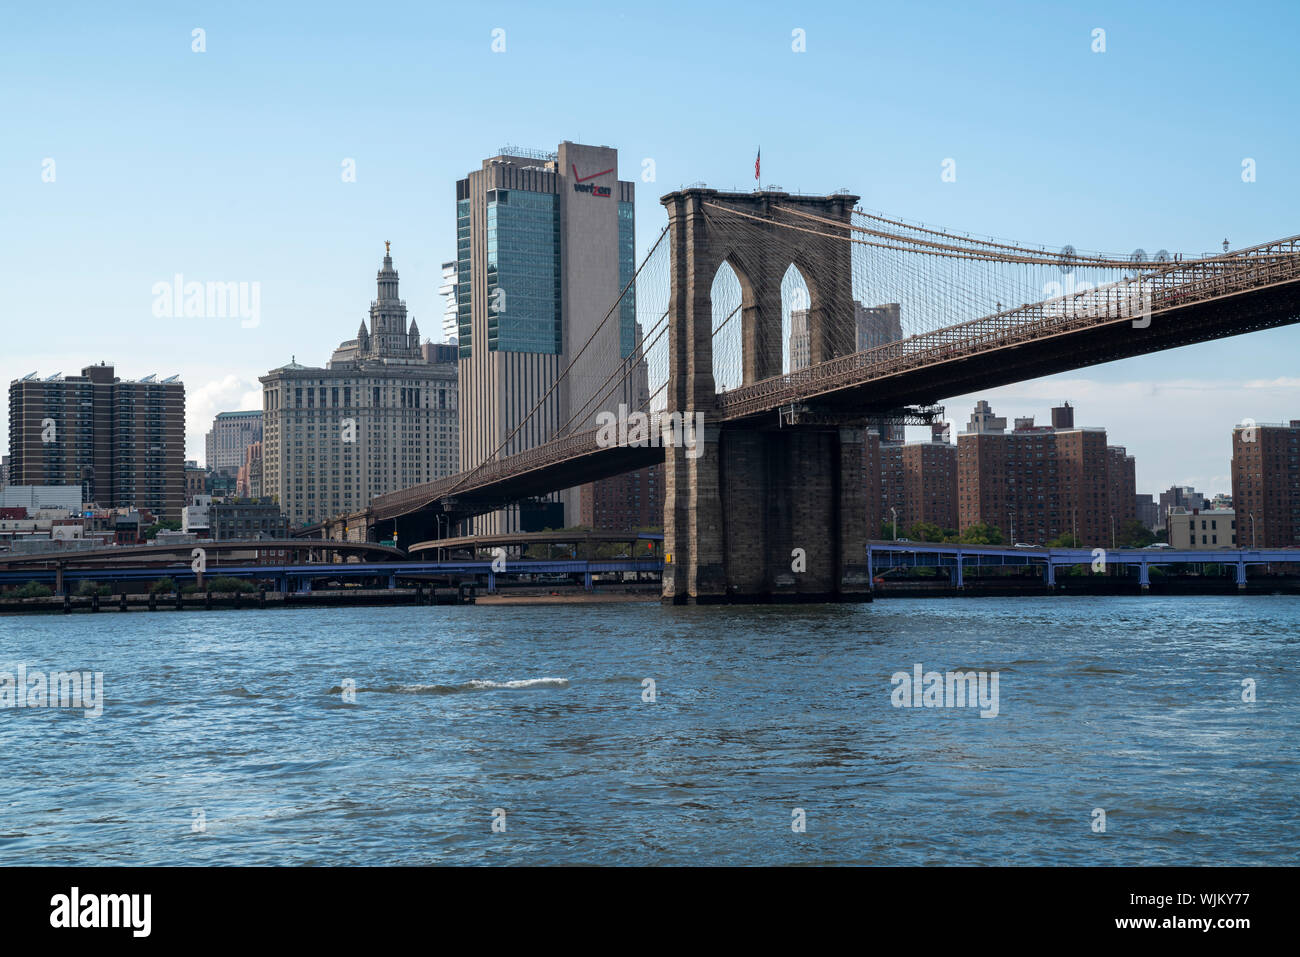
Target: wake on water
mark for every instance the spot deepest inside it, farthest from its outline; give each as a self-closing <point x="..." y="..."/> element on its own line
<point x="521" y="684"/>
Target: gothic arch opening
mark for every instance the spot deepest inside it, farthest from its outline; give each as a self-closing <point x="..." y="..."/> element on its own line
<point x="728" y="295"/>
<point x="796" y="302"/>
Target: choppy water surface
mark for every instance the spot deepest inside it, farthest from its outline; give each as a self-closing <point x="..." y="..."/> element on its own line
<point x="1132" y="705"/>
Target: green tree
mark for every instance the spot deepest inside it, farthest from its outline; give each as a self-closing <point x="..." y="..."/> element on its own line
<point x="1067" y="540"/>
<point x="925" y="532"/>
<point x="228" y="583"/>
<point x="170" y="524"/>
<point x="981" y="533"/>
<point x="1134" y="534"/>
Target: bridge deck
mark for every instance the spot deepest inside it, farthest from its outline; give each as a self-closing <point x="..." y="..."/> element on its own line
<point x="337" y="571"/>
<point x="147" y="553"/>
<point x="1167" y="306"/>
<point x="535" y="538"/>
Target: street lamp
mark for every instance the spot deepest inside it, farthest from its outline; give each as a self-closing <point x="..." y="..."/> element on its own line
<point x="1252" y="530"/>
<point x="894" y="512"/>
<point x="1112" y="531"/>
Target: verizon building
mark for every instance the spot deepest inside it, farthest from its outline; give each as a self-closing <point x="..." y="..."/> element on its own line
<point x="545" y="244"/>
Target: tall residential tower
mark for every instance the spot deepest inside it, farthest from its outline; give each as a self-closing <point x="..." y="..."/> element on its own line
<point x="121" y="440"/>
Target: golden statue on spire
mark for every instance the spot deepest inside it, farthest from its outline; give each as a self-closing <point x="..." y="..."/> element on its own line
<point x="387" y="244"/>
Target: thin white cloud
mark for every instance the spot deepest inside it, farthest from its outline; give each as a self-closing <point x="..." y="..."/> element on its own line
<point x="229" y="394"/>
<point x="1280" y="383"/>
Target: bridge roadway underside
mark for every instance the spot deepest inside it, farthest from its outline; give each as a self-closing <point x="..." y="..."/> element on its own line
<point x="439" y="519"/>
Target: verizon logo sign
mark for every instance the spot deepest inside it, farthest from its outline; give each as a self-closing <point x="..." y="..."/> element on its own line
<point x="581" y="184"/>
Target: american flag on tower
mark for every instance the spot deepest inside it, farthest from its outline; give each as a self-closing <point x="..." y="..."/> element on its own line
<point x="757" y="156"/>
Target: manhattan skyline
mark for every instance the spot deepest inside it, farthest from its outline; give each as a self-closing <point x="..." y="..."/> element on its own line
<point x="228" y="168"/>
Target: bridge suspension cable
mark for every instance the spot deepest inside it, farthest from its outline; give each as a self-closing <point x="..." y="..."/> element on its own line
<point x="600" y="358"/>
<point x="915" y="294"/>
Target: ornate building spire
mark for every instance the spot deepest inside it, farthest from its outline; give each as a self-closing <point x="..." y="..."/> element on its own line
<point x="387" y="278"/>
<point x="388" y="330"/>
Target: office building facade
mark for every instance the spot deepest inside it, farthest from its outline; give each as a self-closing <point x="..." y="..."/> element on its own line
<point x="248" y="483"/>
<point x="244" y="519"/>
<point x="545" y="245"/>
<point x="447" y="291"/>
<point x="628" y="501"/>
<point x="377" y="418"/>
<point x="196" y="481"/>
<point x="1148" y="512"/>
<point x="1198" y="528"/>
<point x="1176" y="497"/>
<point x="228" y="441"/>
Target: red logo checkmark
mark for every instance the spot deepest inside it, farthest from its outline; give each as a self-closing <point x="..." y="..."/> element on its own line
<point x="583" y="179"/>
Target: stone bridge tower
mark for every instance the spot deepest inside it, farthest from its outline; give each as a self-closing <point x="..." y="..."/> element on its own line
<point x="769" y="508"/>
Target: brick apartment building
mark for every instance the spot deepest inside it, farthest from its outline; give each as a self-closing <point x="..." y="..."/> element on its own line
<point x="918" y="480"/>
<point x="631" y="500"/>
<point x="122" y="441"/>
<point x="1266" y="484"/>
<point x="1036" y="483"/>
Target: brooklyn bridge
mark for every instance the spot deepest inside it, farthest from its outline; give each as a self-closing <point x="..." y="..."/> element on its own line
<point x="778" y="469"/>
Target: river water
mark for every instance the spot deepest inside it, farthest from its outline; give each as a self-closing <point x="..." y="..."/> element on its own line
<point x="508" y="735"/>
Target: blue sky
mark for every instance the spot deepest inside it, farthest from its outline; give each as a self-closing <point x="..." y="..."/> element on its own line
<point x="225" y="165"/>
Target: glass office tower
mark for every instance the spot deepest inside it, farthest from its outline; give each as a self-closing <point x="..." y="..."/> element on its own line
<point x="545" y="244"/>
